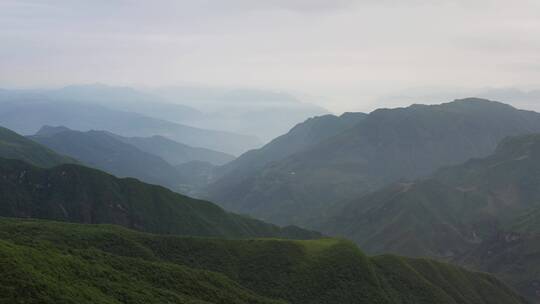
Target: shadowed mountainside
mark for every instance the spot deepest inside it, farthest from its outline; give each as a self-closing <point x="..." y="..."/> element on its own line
<point x="484" y="213"/>
<point x="385" y="146"/>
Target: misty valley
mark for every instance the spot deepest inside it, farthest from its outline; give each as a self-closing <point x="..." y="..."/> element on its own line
<point x="269" y="152"/>
<point x="422" y="204"/>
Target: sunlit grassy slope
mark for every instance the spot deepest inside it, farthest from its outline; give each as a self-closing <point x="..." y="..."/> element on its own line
<point x="51" y="262"/>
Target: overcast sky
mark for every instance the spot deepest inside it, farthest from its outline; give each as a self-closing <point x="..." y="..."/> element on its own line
<point x="346" y="54"/>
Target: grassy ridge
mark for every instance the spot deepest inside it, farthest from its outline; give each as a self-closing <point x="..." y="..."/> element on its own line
<point x="78" y="194"/>
<point x="15" y="146"/>
<point x="51" y="262"/>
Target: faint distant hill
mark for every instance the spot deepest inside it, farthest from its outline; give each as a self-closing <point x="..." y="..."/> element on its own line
<point x="25" y="112"/>
<point x="174" y="152"/>
<point x="112" y="97"/>
<point x="266" y="114"/>
<point x="259" y="113"/>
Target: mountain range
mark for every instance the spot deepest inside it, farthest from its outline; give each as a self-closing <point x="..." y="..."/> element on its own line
<point x="103" y="151"/>
<point x="265" y="114"/>
<point x="150" y="159"/>
<point x="378" y="149"/>
<point x="27" y="114"/>
<point x="190" y="115"/>
<point x="484" y="213"/>
<point x="468" y="203"/>
<point x="75" y="193"/>
<point x="297" y="139"/>
<point x="45" y="258"/>
<point x="62" y="189"/>
<point x="174" y="152"/>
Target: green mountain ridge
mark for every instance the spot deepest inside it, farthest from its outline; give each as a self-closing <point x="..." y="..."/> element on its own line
<point x="14" y="146"/>
<point x="78" y="194"/>
<point x="48" y="262"/>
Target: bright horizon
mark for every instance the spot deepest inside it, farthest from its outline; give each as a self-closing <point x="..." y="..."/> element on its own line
<point x="342" y="55"/>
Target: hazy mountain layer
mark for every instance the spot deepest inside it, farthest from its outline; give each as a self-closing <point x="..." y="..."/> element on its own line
<point x="265" y="114"/>
<point x="385" y="146"/>
<point x="107" y="152"/>
<point x="176" y="153"/>
<point x="112" y="97"/>
<point x="259" y="113"/>
<point x="27" y="115"/>
<point x="126" y="99"/>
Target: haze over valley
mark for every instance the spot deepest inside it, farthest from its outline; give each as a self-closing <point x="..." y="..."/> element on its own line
<point x="274" y="151"/>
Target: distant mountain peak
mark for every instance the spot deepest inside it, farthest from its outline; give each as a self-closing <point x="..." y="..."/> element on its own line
<point x="479" y="104"/>
<point x="15" y="146"/>
<point x="47" y="130"/>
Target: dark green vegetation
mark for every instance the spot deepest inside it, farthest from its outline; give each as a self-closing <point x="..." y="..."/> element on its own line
<point x="47" y="262"/>
<point x="78" y="194"/>
<point x="385" y="146"/>
<point x="14" y="146"/>
<point x="483" y="213"/>
<point x="106" y="152"/>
